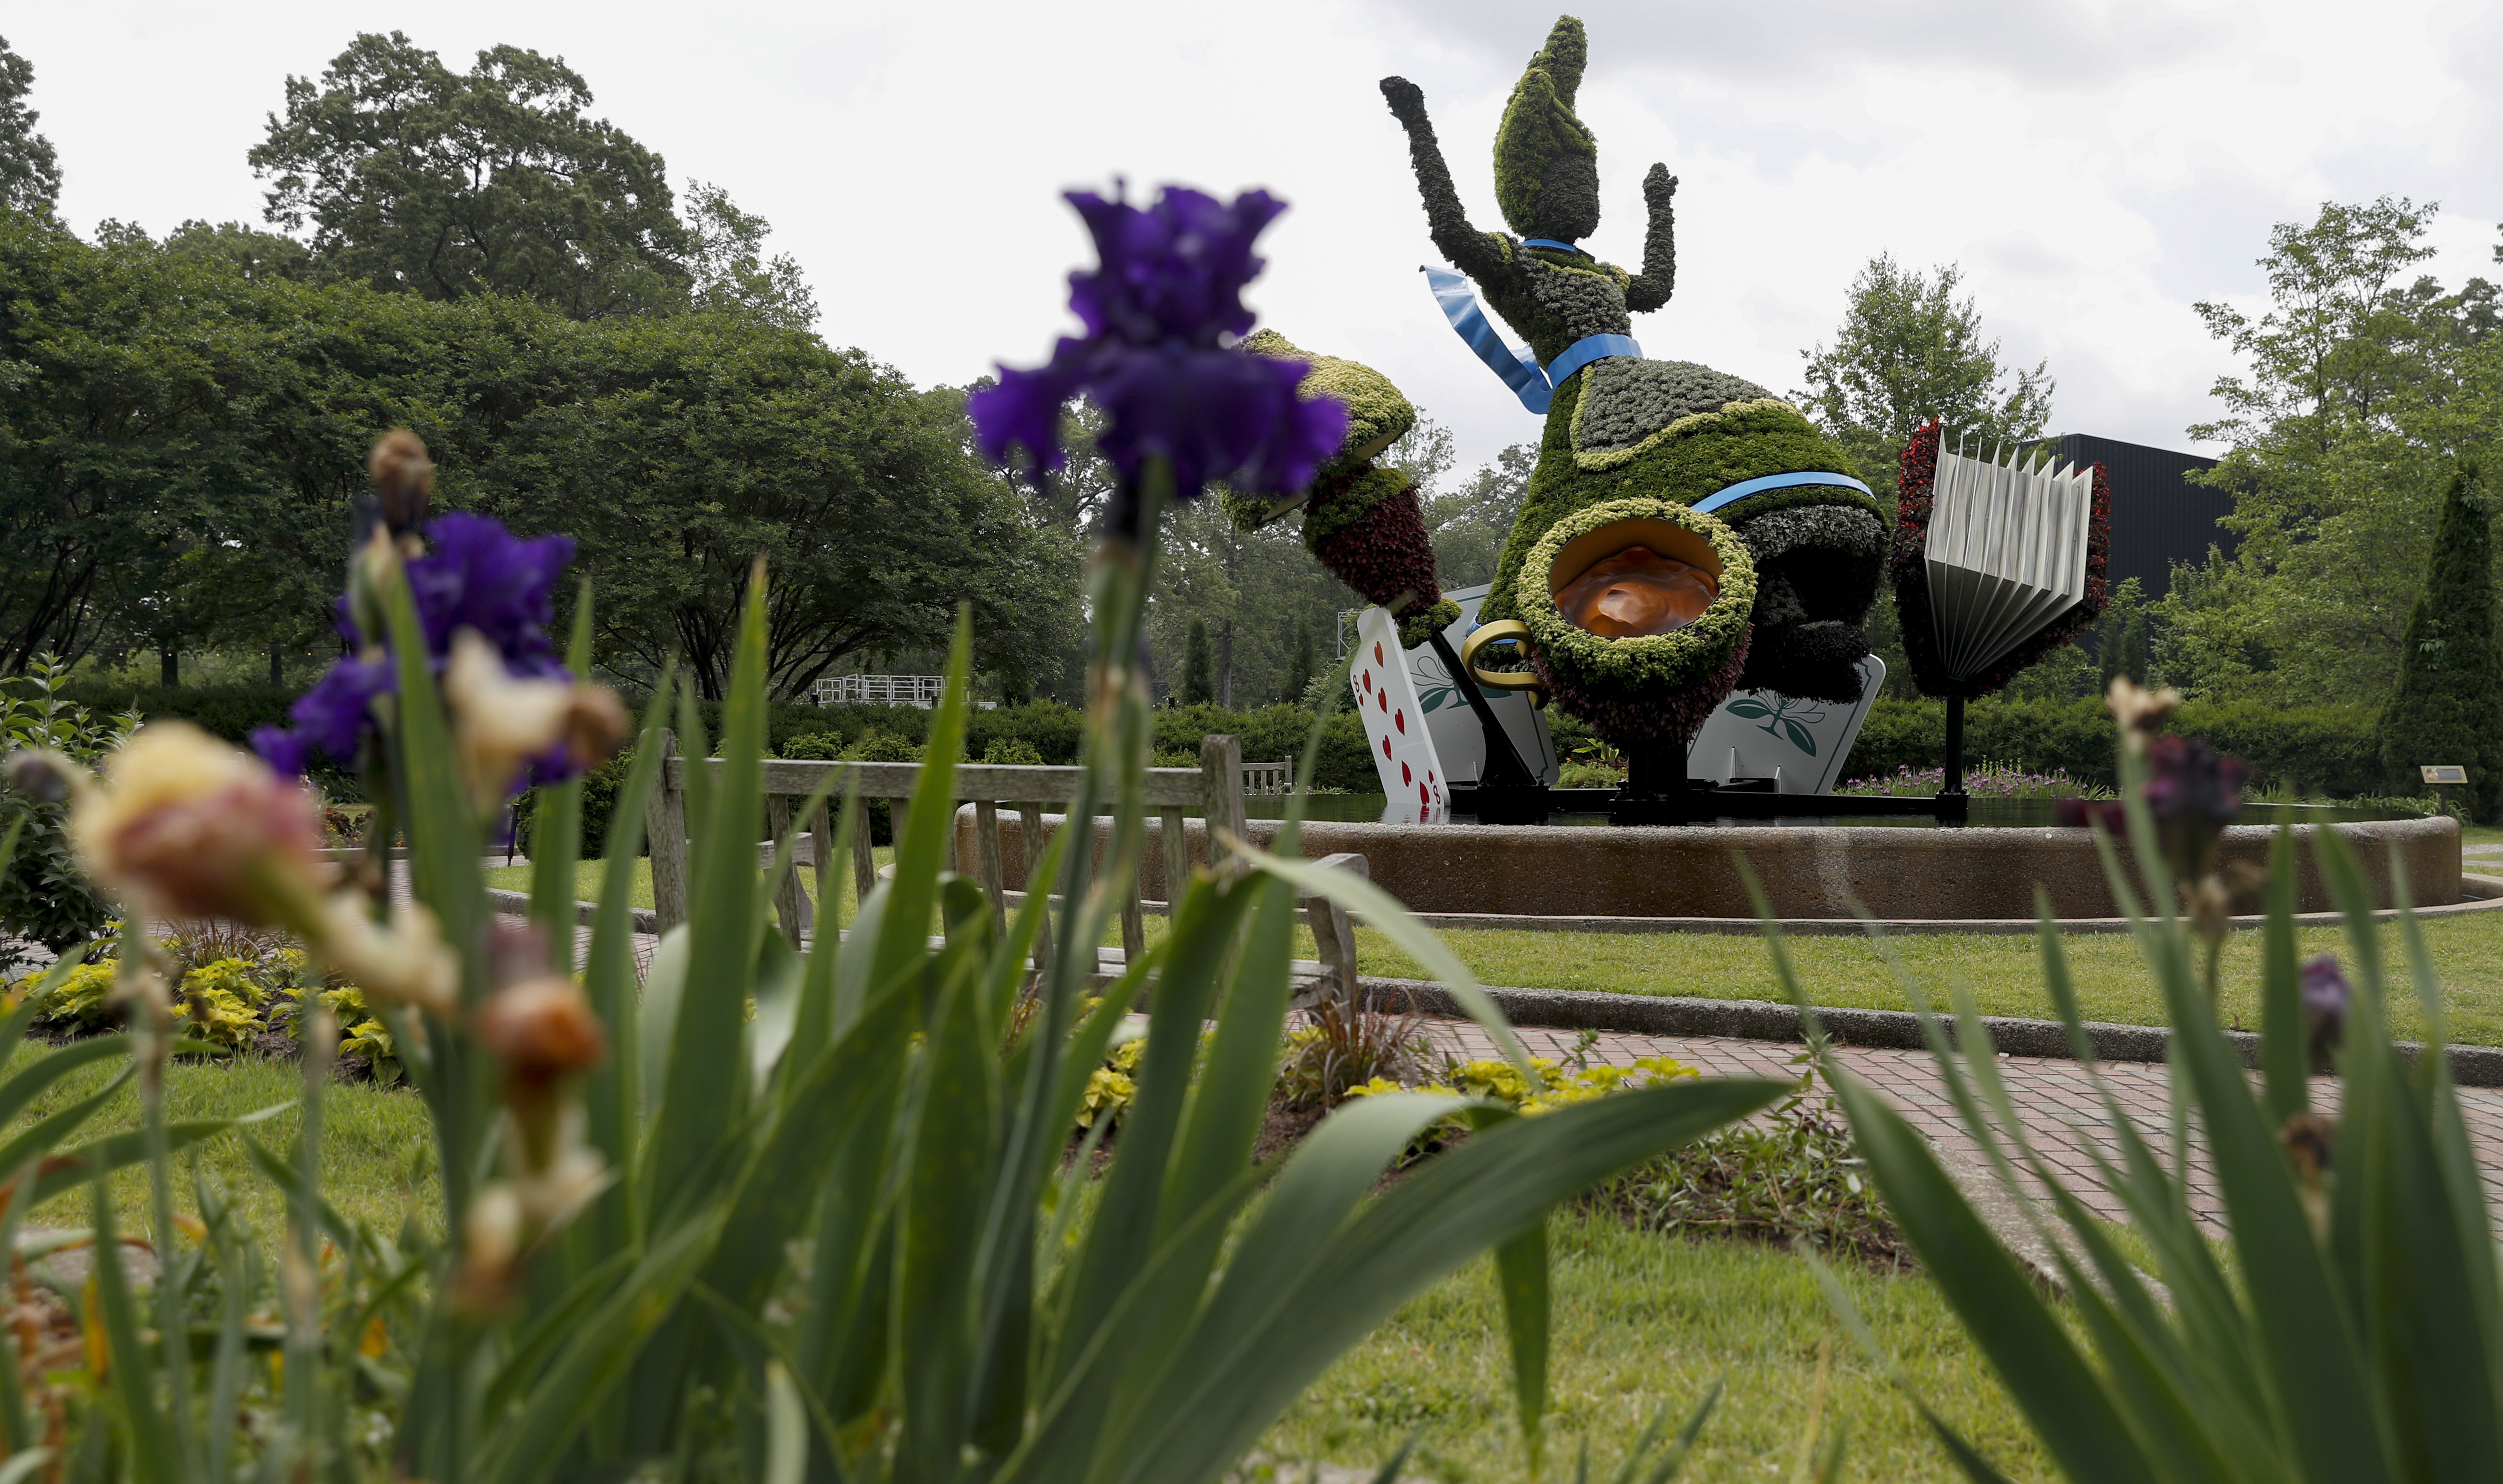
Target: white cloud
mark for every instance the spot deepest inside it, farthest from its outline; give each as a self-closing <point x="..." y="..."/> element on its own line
<point x="2095" y="167"/>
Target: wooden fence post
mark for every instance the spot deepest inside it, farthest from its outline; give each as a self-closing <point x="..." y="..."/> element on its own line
<point x="864" y="856"/>
<point x="1220" y="784"/>
<point x="1030" y="840"/>
<point x="791" y="902"/>
<point x="821" y="851"/>
<point x="987" y="863"/>
<point x="665" y="821"/>
<point x="1333" y="935"/>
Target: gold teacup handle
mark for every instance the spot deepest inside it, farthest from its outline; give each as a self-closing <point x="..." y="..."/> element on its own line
<point x="1501" y="680"/>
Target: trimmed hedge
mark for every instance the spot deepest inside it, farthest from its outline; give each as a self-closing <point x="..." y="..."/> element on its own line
<point x="2331" y="750"/>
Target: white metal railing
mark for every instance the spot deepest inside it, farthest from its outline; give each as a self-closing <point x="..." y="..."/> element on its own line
<point x="1265" y="780"/>
<point x="920" y="690"/>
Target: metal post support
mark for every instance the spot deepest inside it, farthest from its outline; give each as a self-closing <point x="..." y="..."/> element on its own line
<point x="1953" y="787"/>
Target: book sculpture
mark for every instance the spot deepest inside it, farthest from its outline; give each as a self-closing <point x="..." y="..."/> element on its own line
<point x="2006" y="554"/>
<point x="1998" y="562"/>
<point x="1684" y="532"/>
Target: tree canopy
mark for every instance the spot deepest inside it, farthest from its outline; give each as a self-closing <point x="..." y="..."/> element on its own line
<point x="2366" y="383"/>
<point x="1909" y="350"/>
<point x="410" y="176"/>
<point x="176" y="464"/>
<point x="30" y="174"/>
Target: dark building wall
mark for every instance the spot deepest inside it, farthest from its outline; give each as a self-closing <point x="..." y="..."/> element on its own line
<point x="2158" y="518"/>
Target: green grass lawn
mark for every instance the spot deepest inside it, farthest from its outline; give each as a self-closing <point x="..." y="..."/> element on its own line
<point x="2004" y="972"/>
<point x="373" y="1140"/>
<point x="1640" y="1320"/>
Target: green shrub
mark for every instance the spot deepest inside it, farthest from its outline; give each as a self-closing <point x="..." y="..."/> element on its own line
<point x="1012" y="751"/>
<point x="231" y="712"/>
<point x="1053" y="730"/>
<point x="600" y="788"/>
<point x="2319" y="751"/>
<point x="43" y="894"/>
<point x="812" y="747"/>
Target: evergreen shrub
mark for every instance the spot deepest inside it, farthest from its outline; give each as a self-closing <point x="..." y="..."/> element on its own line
<point x="2448" y="706"/>
<point x="2326" y="751"/>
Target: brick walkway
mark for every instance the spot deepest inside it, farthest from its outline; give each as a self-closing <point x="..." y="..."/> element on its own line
<point x="2061" y="1114"/>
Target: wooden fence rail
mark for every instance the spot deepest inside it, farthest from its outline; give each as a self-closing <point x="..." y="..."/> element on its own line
<point x="1214" y="789"/>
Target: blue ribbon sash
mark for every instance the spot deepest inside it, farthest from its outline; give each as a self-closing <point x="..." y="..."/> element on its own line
<point x="1535" y="388"/>
<point x="1747" y="487"/>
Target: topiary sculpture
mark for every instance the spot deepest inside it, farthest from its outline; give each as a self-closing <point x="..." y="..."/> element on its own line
<point x="1657" y="441"/>
<point x="1365" y="523"/>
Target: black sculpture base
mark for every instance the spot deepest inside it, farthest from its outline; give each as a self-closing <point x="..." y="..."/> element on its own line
<point x="1698" y="801"/>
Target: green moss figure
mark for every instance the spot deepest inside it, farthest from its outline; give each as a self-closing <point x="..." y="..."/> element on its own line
<point x="1545" y="161"/>
<point x="1365" y="523"/>
<point x="1638" y="429"/>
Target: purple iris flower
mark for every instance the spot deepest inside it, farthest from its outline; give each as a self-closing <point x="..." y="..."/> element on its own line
<point x="2188" y="784"/>
<point x="1162" y="305"/>
<point x="474" y="575"/>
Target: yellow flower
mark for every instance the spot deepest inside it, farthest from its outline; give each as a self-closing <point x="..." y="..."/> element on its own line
<point x="1376" y="1085"/>
<point x="1665" y="1069"/>
<point x="1108" y="1095"/>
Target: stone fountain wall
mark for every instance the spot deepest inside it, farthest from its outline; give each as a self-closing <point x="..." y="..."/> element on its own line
<point x="1814" y="871"/>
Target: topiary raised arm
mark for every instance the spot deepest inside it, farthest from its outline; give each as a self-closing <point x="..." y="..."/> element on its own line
<point x="1463" y="245"/>
<point x="1651" y="288"/>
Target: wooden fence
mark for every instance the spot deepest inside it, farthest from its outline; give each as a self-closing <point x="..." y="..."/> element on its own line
<point x="1214" y="789"/>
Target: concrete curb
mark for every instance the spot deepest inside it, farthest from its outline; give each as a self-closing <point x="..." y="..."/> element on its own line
<point x="2485" y="893"/>
<point x="518" y="905"/>
<point x="1755" y="1020"/>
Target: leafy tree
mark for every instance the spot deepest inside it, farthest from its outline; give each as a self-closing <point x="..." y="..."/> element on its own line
<point x="731" y="272"/>
<point x="129" y="425"/>
<point x="2447" y="706"/>
<point x="2364" y="385"/>
<point x="678" y="449"/>
<point x="2123" y="635"/>
<point x="1471" y="523"/>
<point x="249" y="251"/>
<point x="412" y="177"/>
<point x="1198" y="667"/>
<point x="30" y="174"/>
<point x="1301" y="669"/>
<point x="1909" y="350"/>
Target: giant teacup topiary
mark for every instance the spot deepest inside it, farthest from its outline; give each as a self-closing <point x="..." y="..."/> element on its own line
<point x="1628" y="429"/>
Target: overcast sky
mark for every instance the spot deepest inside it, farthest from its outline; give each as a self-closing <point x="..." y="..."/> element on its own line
<point x="2095" y="168"/>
